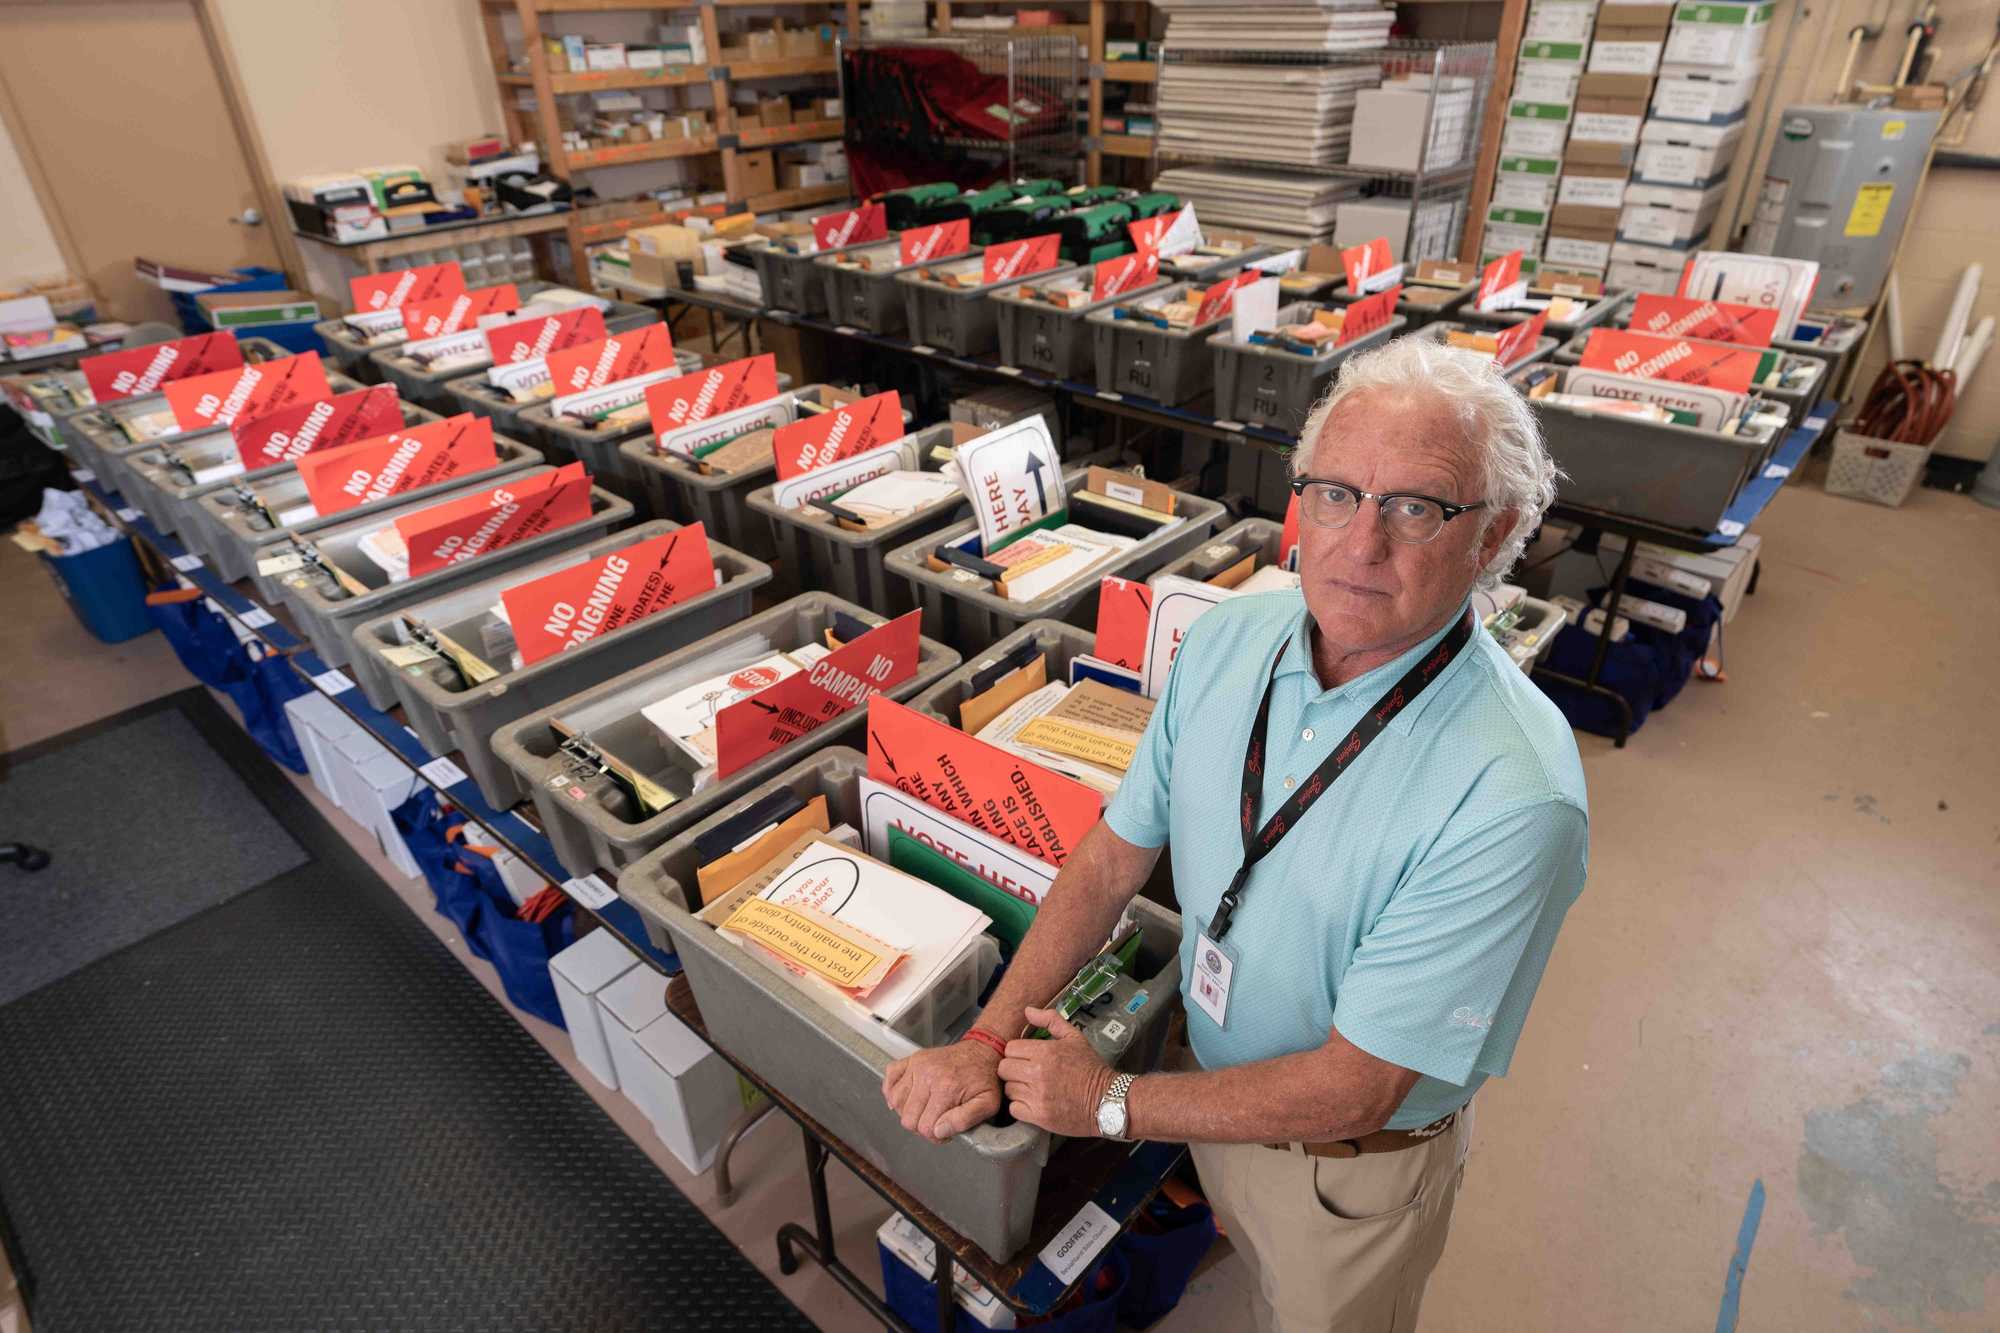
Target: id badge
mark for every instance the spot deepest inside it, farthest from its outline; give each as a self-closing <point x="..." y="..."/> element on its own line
<point x="1214" y="964"/>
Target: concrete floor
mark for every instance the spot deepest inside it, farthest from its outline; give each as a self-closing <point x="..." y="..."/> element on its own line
<point x="1785" y="968"/>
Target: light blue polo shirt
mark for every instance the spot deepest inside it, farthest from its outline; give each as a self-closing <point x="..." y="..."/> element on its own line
<point x="1414" y="906"/>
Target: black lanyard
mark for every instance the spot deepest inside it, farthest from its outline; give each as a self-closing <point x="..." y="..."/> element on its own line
<point x="1257" y="843"/>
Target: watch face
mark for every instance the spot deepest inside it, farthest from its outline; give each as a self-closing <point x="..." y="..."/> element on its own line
<point x="1111" y="1119"/>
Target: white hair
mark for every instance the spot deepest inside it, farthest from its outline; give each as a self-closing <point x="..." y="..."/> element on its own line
<point x="1496" y="420"/>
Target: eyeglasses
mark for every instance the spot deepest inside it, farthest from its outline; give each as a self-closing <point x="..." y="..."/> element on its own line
<point x="1414" y="519"/>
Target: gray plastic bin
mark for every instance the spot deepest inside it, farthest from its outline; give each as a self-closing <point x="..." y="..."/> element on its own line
<point x="720" y="501"/>
<point x="1257" y="537"/>
<point x="328" y="616"/>
<point x="448" y="716"/>
<point x="589" y="823"/>
<point x="1596" y="313"/>
<point x="983" y="1183"/>
<point x="1058" y="643"/>
<point x="1543" y="349"/>
<point x="143" y="334"/>
<point x="789" y="281"/>
<point x="427" y="387"/>
<point x="1816" y="366"/>
<point x="240" y="534"/>
<point x="1269" y="386"/>
<point x="1418" y="314"/>
<point x="971" y="616"/>
<point x="817" y="552"/>
<point x="86" y="432"/>
<point x="1139" y="357"/>
<point x="868" y="298"/>
<point x="959" y="320"/>
<point x="346" y="349"/>
<point x="44" y="398"/>
<point x="1038" y="336"/>
<point x="596" y="447"/>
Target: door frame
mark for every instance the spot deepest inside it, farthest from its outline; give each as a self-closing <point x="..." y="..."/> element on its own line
<point x="270" y="198"/>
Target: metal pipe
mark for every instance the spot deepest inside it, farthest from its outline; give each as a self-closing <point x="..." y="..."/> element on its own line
<point x="1892" y="309"/>
<point x="1859" y="33"/>
<point x="1914" y="36"/>
<point x="1972" y="353"/>
<point x="1961" y="311"/>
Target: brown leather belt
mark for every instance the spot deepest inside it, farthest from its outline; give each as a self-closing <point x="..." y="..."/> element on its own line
<point x="1382" y="1140"/>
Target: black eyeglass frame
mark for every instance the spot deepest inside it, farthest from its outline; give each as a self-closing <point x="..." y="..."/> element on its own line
<point x="1450" y="510"/>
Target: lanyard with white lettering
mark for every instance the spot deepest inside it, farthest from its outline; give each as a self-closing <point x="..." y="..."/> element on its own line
<point x="1257" y="843"/>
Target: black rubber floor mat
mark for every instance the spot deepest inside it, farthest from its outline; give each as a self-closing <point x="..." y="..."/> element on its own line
<point x="145" y="826"/>
<point x="297" y="1111"/>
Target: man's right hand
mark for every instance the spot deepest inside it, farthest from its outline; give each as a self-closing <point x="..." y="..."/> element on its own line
<point x="946" y="1090"/>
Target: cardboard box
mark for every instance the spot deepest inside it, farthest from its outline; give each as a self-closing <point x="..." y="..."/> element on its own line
<point x="604" y="55"/>
<point x="1673" y="152"/>
<point x="1641" y="56"/>
<point x="1593" y="187"/>
<point x="1502" y="239"/>
<point x="1535" y="129"/>
<point x="1582" y="253"/>
<point x="1599" y="154"/>
<point x="774" y="111"/>
<point x="1560" y="21"/>
<point x="1530" y="219"/>
<point x="764" y="44"/>
<point x="1389" y="127"/>
<point x="1359" y="221"/>
<point x="1662" y="258"/>
<point x="1641" y="279"/>
<point x="801" y="43"/>
<point x="247" y="310"/>
<point x="1716" y="34"/>
<point x="657" y="255"/>
<point x="1703" y="95"/>
<point x="579" y="973"/>
<point x="1546" y="83"/>
<point x="757" y="173"/>
<point x="1530" y="192"/>
<point x="1610" y="108"/>
<point x="1584" y="222"/>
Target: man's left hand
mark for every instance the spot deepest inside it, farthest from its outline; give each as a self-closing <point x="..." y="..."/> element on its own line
<point x="1057" y="1082"/>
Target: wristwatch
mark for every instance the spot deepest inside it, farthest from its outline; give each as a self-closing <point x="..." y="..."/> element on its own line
<point x="1112" y="1120"/>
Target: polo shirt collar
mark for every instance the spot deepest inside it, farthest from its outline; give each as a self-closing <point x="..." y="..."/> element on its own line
<point x="1370" y="684"/>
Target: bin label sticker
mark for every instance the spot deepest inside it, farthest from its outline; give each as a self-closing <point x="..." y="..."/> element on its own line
<point x="1079" y="1243"/>
<point x="591" y="891"/>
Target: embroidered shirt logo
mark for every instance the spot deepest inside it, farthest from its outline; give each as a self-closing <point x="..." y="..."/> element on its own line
<point x="1465" y="1016"/>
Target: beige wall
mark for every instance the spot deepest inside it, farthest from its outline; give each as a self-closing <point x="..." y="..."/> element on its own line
<point x="1954" y="222"/>
<point x="361" y="83"/>
<point x="28" y="250"/>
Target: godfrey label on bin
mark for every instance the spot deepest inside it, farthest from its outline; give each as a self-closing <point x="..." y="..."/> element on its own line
<point x="1021" y="803"/>
<point x="246" y="393"/>
<point x="591" y="891"/>
<point x="1123" y="608"/>
<point x="1676" y="359"/>
<point x="922" y="245"/>
<point x="287" y="435"/>
<point x="621" y="356"/>
<point x="856" y="226"/>
<point x="1124" y="273"/>
<point x="1018" y="259"/>
<point x="1370" y="267"/>
<point x="569" y="608"/>
<point x="393" y="291"/>
<point x="1717" y="321"/>
<point x="526" y="340"/>
<point x="1080" y="1242"/>
<point x="804" y="701"/>
<point x="849" y="429"/>
<point x="1516" y="342"/>
<point x="525" y="507"/>
<point x="716" y="391"/>
<point x="1367" y="315"/>
<point x="373" y="469"/>
<point x="462" y="310"/>
<point x="137" y="370"/>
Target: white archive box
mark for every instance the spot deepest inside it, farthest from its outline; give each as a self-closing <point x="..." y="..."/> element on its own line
<point x="1501" y="239"/>
<point x="1674" y="152"/>
<point x="1560" y="21"/>
<point x="1706" y="33"/>
<point x="1535" y="129"/>
<point x="1622" y="57"/>
<point x="1668" y="214"/>
<point x="626" y="1006"/>
<point x="1642" y="279"/>
<point x="1706" y="96"/>
<point x="1591" y="191"/>
<point x="386" y="782"/>
<point x="694" y="1090"/>
<point x="1531" y="192"/>
<point x="1541" y="81"/>
<point x="315" y="721"/>
<point x="1574" y="252"/>
<point x="1605" y="127"/>
<point x="901" y="1242"/>
<point x="579" y="973"/>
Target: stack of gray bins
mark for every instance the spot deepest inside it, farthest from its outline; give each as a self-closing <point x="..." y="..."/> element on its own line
<point x="867" y="298"/>
<point x="589" y="820"/>
<point x="972" y="616"/>
<point x="328" y="614"/>
<point x="1053" y="339"/>
<point x="959" y="320"/>
<point x="593" y="445"/>
<point x="984" y="1183"/>
<point x="449" y="715"/>
<point x="85" y="431"/>
<point x="246" y="520"/>
<point x="789" y="279"/>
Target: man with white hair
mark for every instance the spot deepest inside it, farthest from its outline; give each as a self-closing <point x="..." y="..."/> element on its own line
<point x="1378" y="825"/>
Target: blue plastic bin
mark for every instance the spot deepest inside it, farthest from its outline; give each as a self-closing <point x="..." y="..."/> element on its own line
<point x="105" y="588"/>
<point x="255" y="278"/>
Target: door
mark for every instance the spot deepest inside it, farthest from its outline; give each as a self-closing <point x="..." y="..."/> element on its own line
<point x="120" y="107"/>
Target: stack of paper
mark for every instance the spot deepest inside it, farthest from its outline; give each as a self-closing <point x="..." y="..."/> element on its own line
<point x="1300" y="115"/>
<point x="1088" y="732"/>
<point x="1329" y="25"/>
<point x="895" y="495"/>
<point x="1281" y="207"/>
<point x="687" y="717"/>
<point x="1065" y="554"/>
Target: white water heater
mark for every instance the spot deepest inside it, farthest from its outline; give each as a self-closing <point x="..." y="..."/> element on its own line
<point x="1838" y="189"/>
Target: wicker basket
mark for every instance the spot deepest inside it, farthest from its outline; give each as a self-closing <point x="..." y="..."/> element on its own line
<point x="1881" y="471"/>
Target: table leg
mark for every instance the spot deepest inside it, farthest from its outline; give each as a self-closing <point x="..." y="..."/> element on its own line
<point x="817" y="1245"/>
<point x="1590" y="682"/>
<point x="947" y="1295"/>
<point x="725" y="1189"/>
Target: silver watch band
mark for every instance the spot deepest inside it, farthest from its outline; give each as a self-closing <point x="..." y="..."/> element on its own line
<point x="1115" y="1096"/>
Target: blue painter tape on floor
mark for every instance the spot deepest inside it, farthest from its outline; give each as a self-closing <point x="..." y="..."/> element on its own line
<point x="1746" y="1236"/>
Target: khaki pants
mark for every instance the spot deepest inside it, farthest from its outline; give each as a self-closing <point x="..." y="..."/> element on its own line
<point x="1337" y="1243"/>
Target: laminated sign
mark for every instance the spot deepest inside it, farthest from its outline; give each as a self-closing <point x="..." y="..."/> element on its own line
<point x="1676" y="359"/>
<point x="1177" y="603"/>
<point x="856" y="226"/>
<point x="1218" y="300"/>
<point x="924" y="245"/>
<point x="1288" y="536"/>
<point x="1514" y="343"/>
<point x="849" y="429"/>
<point x="246" y="393"/>
<point x="514" y="511"/>
<point x="289" y="434"/>
<point x="1013" y="477"/>
<point x="1169" y="233"/>
<point x="1367" y="315"/>
<point x="393" y="291"/>
<point x="1124" y="273"/>
<point x="570" y="607"/>
<point x="1717" y="321"/>
<point x="621" y="356"/>
<point x="994" y="790"/>
<point x="1019" y="259"/>
<point x="462" y="310"/>
<point x="374" y="469"/>
<point x="716" y="391"/>
<point x="137" y="370"/>
<point x="525" y="340"/>
<point x="1370" y="267"/>
<point x="1123" y="608"/>
<point x="804" y="701"/>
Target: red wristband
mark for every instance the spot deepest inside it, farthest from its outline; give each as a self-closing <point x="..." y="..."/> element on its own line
<point x="986" y="1039"/>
